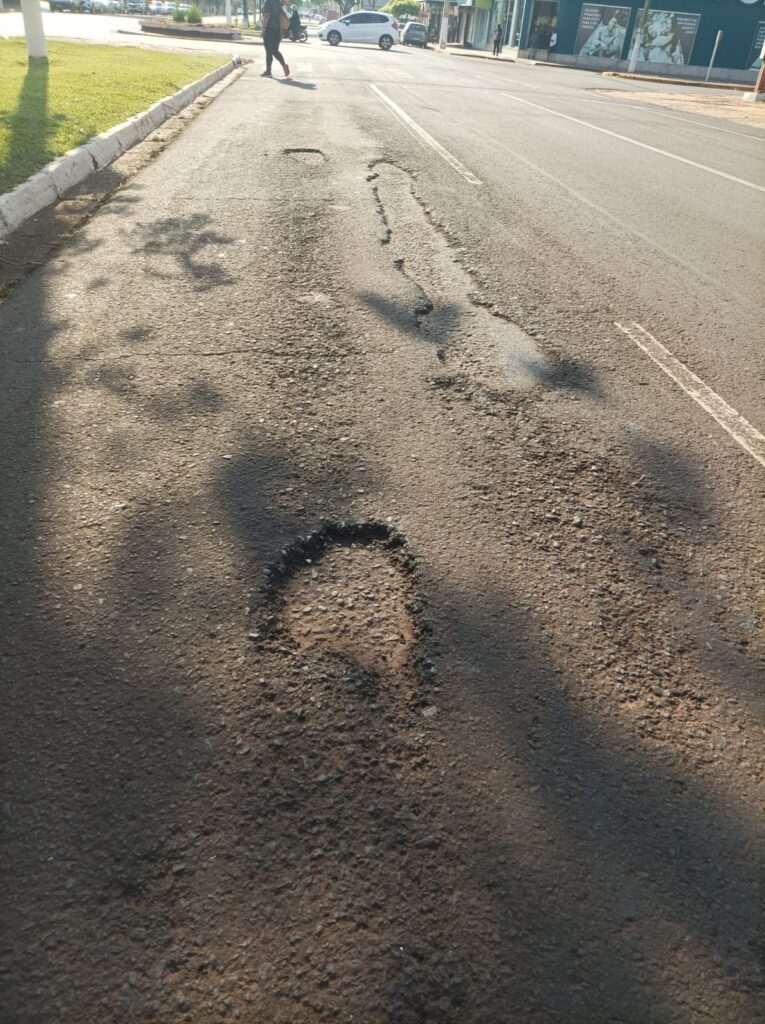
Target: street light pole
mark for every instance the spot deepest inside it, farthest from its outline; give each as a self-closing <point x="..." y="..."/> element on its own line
<point x="514" y="20"/>
<point x="37" y="48"/>
<point x="444" y="28"/>
<point x="636" y="46"/>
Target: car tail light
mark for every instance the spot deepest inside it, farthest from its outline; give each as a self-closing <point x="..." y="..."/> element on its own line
<point x="395" y="25"/>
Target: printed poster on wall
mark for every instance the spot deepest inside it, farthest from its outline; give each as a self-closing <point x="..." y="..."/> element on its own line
<point x="665" y="37"/>
<point x="759" y="38"/>
<point x="601" y="31"/>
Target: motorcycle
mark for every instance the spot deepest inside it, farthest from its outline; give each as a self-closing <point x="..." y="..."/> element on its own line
<point x="301" y="36"/>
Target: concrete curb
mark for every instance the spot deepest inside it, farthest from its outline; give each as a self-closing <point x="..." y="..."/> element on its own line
<point x="698" y="84"/>
<point x="479" y="55"/>
<point x="68" y="170"/>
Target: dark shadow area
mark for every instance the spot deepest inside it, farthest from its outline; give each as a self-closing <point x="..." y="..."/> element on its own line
<point x="616" y="854"/>
<point x="30" y="126"/>
<point x="136" y="334"/>
<point x="418" y="319"/>
<point x="672" y="477"/>
<point x="186" y="240"/>
<point x="310" y="86"/>
<point x="169" y="402"/>
<point x="360" y="871"/>
<point x="644" y="856"/>
<point x="566" y="375"/>
<point x="373" y="47"/>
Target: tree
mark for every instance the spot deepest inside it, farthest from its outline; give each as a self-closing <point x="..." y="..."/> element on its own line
<point x="346" y="6"/>
<point x="402" y="8"/>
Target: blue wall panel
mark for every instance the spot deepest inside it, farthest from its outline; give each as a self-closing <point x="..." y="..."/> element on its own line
<point x="737" y="19"/>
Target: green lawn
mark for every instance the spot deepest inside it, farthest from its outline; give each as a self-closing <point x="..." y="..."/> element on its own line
<point x="44" y="111"/>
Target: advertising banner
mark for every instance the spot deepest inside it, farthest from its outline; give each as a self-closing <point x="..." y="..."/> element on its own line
<point x="759" y="39"/>
<point x="601" y="31"/>
<point x="665" y="37"/>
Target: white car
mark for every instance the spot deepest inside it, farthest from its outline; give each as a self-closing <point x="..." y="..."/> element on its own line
<point x="361" y="27"/>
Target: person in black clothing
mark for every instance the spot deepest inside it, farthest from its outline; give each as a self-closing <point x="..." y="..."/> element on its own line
<point x="535" y="42"/>
<point x="498" y="33"/>
<point x="272" y="36"/>
<point x="295" y="25"/>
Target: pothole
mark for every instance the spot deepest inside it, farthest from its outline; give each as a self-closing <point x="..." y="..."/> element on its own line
<point x="347" y="592"/>
<point x="306" y="155"/>
<point x="466" y="334"/>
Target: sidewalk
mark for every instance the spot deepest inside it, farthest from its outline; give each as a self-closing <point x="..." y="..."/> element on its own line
<point x="458" y="51"/>
<point x="506" y="58"/>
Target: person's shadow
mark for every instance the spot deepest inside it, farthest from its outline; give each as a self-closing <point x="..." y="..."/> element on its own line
<point x="297" y="85"/>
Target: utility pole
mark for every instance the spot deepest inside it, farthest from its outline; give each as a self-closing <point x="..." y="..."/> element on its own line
<point x="37" y="48"/>
<point x="714" y="54"/>
<point x="444" y="30"/>
<point x="640" y="22"/>
<point x="517" y="4"/>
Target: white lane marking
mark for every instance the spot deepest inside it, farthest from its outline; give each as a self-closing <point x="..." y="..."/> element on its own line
<point x="691" y="268"/>
<point x="634" y="142"/>
<point x="405" y="119"/>
<point x="750" y="439"/>
<point x="699" y="124"/>
<point x="649" y="108"/>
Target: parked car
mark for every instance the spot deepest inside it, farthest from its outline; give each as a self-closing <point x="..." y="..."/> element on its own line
<point x="361" y="27"/>
<point x="83" y="6"/>
<point x="155" y="7"/>
<point x="414" y="34"/>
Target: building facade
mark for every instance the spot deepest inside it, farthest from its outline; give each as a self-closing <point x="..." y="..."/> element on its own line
<point x="676" y="36"/>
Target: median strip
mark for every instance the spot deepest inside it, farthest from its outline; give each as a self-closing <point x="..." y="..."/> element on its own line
<point x="37" y="127"/>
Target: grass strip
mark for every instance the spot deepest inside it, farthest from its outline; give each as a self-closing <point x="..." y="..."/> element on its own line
<point x="45" y="111"/>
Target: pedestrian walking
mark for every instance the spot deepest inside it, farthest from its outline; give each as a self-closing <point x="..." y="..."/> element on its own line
<point x="498" y="33"/>
<point x="273" y="13"/>
<point x="553" y="43"/>
<point x="535" y="42"/>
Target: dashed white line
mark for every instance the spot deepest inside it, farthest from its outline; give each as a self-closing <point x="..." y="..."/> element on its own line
<point x="699" y="124"/>
<point x="635" y="142"/>
<point x="406" y="120"/>
<point x="750" y="439"/>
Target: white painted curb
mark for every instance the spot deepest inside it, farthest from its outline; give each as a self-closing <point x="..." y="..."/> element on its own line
<point x="68" y="170"/>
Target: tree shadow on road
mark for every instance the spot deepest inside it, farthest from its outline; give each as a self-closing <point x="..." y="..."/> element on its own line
<point x="185" y="240"/>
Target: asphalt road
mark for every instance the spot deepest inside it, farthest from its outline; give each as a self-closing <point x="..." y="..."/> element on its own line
<point x="661" y="226"/>
<point x="381" y="627"/>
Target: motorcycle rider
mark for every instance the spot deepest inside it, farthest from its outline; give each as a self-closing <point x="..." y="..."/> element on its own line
<point x="294" y="29"/>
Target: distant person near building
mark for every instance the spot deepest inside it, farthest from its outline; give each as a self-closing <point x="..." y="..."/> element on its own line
<point x="552" y="44"/>
<point x="498" y="33"/>
<point x="535" y="42"/>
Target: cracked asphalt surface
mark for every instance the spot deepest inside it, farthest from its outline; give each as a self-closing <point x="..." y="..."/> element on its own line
<point x="381" y="631"/>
